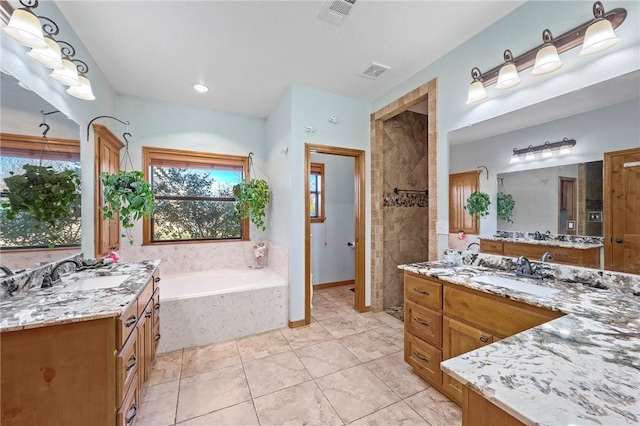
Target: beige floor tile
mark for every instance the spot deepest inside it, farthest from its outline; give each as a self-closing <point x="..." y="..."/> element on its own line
<point x="242" y="414"/>
<point x="356" y="392"/>
<point x="398" y="414"/>
<point x="211" y="391"/>
<point x="395" y="335"/>
<point x="303" y="404"/>
<point x="306" y="336"/>
<point x="165" y="368"/>
<point x="385" y="318"/>
<point x="397" y="374"/>
<point x="326" y="358"/>
<point x="262" y="345"/>
<point x="321" y="312"/>
<point x="207" y="358"/>
<point x="368" y="345"/>
<point x="435" y="408"/>
<point x="273" y="373"/>
<point x="344" y="325"/>
<point x="158" y="404"/>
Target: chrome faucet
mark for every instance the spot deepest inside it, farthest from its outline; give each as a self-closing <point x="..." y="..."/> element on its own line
<point x="524" y="269"/>
<point x="546" y="256"/>
<point x="53" y="276"/>
<point x="7" y="272"/>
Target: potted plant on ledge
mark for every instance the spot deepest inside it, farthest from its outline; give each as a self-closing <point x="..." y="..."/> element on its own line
<point x="252" y="196"/>
<point x="129" y="195"/>
<point x="43" y="194"/>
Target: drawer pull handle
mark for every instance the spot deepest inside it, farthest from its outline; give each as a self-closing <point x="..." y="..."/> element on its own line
<point x="131" y="321"/>
<point x="561" y="255"/>
<point x="133" y="412"/>
<point x="420" y="357"/>
<point x="484" y="339"/>
<point x="425" y="323"/>
<point x="148" y="314"/>
<point x="156" y="280"/>
<point x="426" y="293"/>
<point x="157" y="337"/>
<point x="132" y="362"/>
<point x="157" y="306"/>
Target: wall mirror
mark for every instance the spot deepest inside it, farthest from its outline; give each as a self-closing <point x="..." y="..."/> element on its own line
<point x="564" y="199"/>
<point x="21" y="112"/>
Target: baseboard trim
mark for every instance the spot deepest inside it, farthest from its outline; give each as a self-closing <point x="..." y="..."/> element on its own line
<point x="333" y="284"/>
<point x="296" y="324"/>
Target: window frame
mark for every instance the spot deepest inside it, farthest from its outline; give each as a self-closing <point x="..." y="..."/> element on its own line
<point x="318" y="169"/>
<point x="28" y="146"/>
<point x="189" y="159"/>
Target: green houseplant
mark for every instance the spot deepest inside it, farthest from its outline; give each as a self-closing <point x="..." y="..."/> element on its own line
<point x="251" y="198"/>
<point x="44" y="194"/>
<point x="129" y="195"/>
<point x="478" y="204"/>
<point x="506" y="203"/>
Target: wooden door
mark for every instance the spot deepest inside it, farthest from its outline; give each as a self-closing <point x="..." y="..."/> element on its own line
<point x="567" y="206"/>
<point x="622" y="210"/>
<point x="461" y="185"/>
<point x="458" y="339"/>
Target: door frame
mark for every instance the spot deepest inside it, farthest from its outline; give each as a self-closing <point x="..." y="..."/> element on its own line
<point x="359" y="216"/>
<point x="574" y="204"/>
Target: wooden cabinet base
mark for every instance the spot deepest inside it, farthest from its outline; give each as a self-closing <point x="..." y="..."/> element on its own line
<point x="478" y="411"/>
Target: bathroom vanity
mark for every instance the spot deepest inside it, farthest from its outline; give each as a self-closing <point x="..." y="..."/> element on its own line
<point x="550" y="352"/>
<point x="77" y="356"/>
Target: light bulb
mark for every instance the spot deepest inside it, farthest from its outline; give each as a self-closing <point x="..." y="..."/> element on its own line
<point x="598" y="37"/>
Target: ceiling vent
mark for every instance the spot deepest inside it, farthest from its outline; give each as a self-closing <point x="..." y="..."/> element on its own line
<point x="374" y="70"/>
<point x="336" y="11"/>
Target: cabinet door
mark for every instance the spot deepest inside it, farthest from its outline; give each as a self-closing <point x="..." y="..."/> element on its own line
<point x="146" y="347"/>
<point x="461" y="185"/>
<point x="459" y="338"/>
<point x="155" y="329"/>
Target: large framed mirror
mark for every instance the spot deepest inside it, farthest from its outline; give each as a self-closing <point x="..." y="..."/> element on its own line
<point x="32" y="132"/>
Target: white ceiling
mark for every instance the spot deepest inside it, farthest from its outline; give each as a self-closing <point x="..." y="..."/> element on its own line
<point x="248" y="52"/>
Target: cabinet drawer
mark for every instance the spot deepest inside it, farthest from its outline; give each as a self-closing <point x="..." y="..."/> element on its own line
<point x="126" y="367"/>
<point x="423" y="291"/>
<point x="129" y="409"/>
<point x="494" y="315"/>
<point x="125" y="324"/>
<point x="424" y="323"/>
<point x="424" y="358"/>
<point x="144" y="297"/>
<point x="495" y="247"/>
<point x="565" y="255"/>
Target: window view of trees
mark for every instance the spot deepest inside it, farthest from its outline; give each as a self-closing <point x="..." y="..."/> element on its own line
<point x="195" y="204"/>
<point x="23" y="232"/>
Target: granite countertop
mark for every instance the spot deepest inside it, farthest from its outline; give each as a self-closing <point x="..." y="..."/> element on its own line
<point x="550" y="243"/>
<point x="582" y="368"/>
<point x="47" y="306"/>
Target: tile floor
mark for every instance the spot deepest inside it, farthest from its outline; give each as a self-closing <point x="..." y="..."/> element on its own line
<point x="344" y="368"/>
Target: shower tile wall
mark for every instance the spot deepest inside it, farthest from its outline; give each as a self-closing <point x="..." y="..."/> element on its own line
<point x="406" y="219"/>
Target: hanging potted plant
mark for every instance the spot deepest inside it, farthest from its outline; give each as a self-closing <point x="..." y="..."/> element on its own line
<point x="251" y="198"/>
<point x="44" y="194"/>
<point x="505" y="206"/>
<point x="478" y="204"/>
<point x="129" y="195"/>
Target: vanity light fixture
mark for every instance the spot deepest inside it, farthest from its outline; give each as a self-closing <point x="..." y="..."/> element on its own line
<point x="595" y="36"/>
<point x="563" y="147"/>
<point x="39" y="33"/>
<point x="200" y="88"/>
<point x="508" y="75"/>
<point x="547" y="59"/>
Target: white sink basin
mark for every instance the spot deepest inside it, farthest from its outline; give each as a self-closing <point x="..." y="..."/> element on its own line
<point x="536" y="290"/>
<point x="94" y="283"/>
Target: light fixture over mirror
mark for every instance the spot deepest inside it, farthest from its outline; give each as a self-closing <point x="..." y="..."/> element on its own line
<point x="24" y="27"/>
<point x="476" y="88"/>
<point x="547" y="59"/>
<point x="508" y="75"/>
<point x="599" y="36"/>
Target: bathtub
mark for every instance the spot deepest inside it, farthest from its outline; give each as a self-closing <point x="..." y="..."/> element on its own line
<point x="200" y="308"/>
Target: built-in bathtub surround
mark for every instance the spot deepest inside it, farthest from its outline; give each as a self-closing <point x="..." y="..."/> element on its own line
<point x="581" y="368"/>
<point x="180" y="258"/>
<point x="17" y="284"/>
<point x="406" y="214"/>
<point x="530" y="237"/>
<point x="204" y="307"/>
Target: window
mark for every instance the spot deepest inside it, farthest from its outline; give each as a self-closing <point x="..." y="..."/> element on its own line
<point x="193" y="196"/>
<point x="61" y="154"/>
<point x="316" y="192"/>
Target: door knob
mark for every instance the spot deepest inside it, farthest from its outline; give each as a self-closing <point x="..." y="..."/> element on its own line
<point x="619" y="240"/>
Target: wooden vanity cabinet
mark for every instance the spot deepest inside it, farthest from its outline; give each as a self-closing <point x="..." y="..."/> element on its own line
<point x="589" y="258"/>
<point x="444" y="320"/>
<point x="79" y="373"/>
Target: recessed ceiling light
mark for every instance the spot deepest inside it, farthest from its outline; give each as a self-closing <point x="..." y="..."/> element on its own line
<point x="201" y="88"/>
